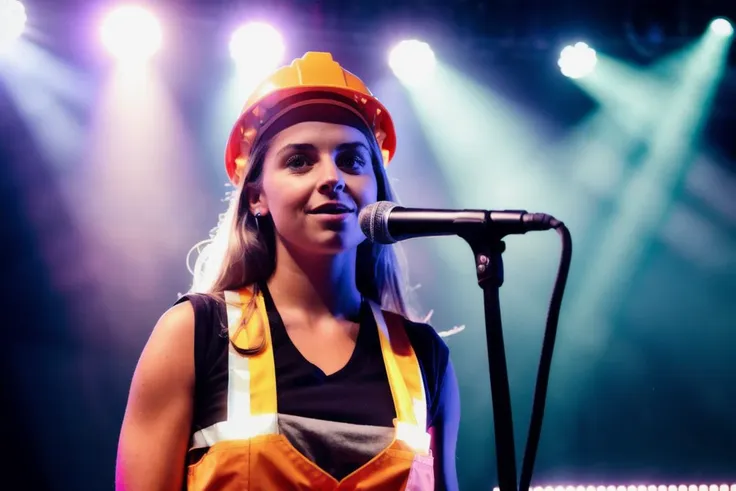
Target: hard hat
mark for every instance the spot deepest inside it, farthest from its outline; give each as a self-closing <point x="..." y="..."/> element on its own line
<point x="316" y="73"/>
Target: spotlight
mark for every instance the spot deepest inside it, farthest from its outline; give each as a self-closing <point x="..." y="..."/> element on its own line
<point x="131" y="33"/>
<point x="577" y="61"/>
<point x="12" y="21"/>
<point x="257" y="48"/>
<point x="721" y="27"/>
<point x="412" y="61"/>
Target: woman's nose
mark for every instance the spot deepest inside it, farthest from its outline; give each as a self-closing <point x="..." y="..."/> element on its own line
<point x="331" y="178"/>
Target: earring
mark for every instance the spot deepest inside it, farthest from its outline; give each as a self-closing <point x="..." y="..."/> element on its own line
<point x="257" y="217"/>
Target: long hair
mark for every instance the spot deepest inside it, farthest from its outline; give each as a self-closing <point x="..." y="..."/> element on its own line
<point x="241" y="251"/>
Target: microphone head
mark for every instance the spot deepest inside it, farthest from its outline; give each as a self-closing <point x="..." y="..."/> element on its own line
<point x="373" y="221"/>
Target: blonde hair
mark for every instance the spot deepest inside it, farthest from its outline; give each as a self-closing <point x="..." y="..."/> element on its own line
<point x="240" y="252"/>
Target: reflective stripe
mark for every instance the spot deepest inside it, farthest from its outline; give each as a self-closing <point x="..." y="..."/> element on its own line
<point x="413" y="435"/>
<point x="238" y="384"/>
<point x="380" y="319"/>
<point x="240" y="429"/>
<point x="420" y="412"/>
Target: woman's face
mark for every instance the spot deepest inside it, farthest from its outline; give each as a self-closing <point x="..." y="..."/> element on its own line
<point x="316" y="178"/>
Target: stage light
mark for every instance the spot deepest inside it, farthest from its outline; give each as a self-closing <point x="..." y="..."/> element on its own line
<point x="722" y="27"/>
<point x="257" y="48"/>
<point x="131" y="33"/>
<point x="412" y="61"/>
<point x="577" y="61"/>
<point x="12" y="21"/>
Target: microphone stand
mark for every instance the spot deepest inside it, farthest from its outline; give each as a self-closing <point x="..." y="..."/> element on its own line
<point x="484" y="231"/>
<point x="487" y="249"/>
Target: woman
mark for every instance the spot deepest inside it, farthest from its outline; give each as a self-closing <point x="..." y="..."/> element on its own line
<point x="296" y="367"/>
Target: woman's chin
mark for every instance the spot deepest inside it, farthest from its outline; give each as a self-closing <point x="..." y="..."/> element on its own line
<point x="332" y="243"/>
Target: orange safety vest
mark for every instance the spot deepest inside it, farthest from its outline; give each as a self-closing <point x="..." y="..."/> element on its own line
<point x="247" y="453"/>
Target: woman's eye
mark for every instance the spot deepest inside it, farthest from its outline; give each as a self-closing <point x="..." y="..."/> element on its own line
<point x="297" y="161"/>
<point x="351" y="161"/>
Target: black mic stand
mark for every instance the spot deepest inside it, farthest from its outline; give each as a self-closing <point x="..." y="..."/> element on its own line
<point x="488" y="248"/>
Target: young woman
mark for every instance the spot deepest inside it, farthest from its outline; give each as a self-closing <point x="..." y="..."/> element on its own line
<point x="295" y="365"/>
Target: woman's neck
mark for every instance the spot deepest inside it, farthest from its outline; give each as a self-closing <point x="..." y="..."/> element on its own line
<point x="320" y="286"/>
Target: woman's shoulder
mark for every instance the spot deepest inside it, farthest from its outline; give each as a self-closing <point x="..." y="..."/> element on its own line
<point x="425" y="337"/>
<point x="203" y="304"/>
<point x="210" y="330"/>
<point x="210" y="313"/>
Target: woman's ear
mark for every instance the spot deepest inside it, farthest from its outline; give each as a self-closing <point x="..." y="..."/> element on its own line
<point x="256" y="200"/>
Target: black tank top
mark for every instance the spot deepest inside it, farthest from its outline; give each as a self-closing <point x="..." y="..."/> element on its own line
<point x="358" y="394"/>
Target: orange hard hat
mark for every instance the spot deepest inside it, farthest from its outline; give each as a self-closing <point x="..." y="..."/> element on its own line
<point x="314" y="73"/>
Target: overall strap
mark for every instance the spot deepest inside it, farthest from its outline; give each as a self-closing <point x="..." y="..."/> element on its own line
<point x="405" y="378"/>
<point x="251" y="391"/>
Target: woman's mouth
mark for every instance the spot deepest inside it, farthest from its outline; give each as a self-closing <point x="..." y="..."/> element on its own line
<point x="331" y="209"/>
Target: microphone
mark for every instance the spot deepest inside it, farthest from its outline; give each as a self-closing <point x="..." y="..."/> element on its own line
<point x="385" y="222"/>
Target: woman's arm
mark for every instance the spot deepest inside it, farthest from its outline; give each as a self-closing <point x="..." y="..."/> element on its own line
<point x="444" y="432"/>
<point x="155" y="431"/>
